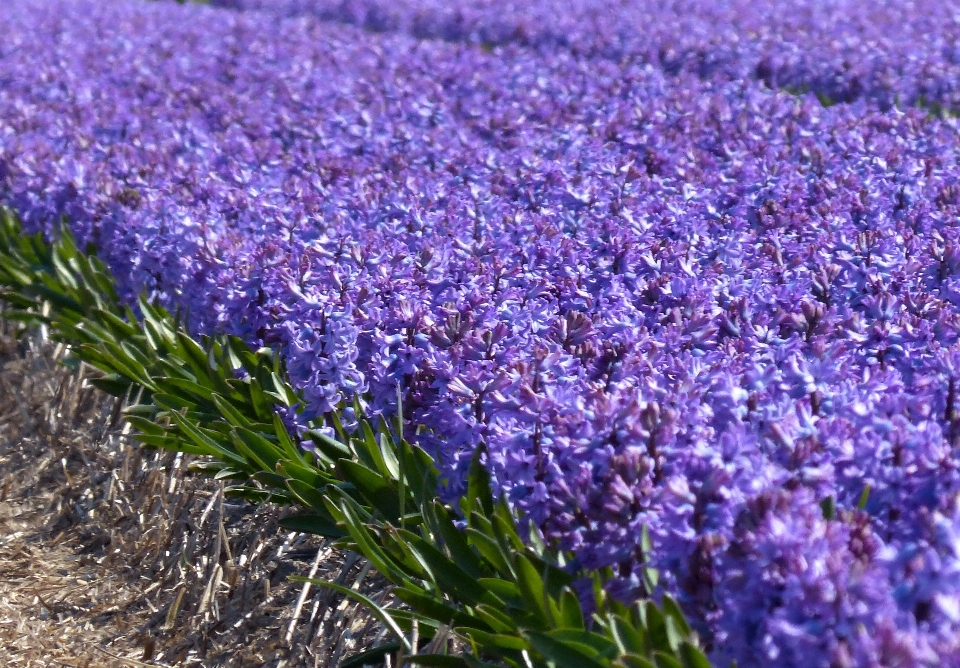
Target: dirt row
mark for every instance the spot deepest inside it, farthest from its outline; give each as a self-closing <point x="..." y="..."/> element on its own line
<point x="114" y="555"/>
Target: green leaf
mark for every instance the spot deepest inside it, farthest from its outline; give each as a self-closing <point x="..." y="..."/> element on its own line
<point x="372" y="656"/>
<point x="286" y="443"/>
<point x="230" y="473"/>
<point x="674" y="637"/>
<point x="308" y="475"/>
<point x="284" y="392"/>
<point x="571" y="614"/>
<point x="174" y="402"/>
<point x="495" y="618"/>
<point x="368" y="546"/>
<point x="634" y="661"/>
<point x="374" y="488"/>
<point x="631" y="639"/>
<point x="211" y="468"/>
<point x="119" y="327"/>
<point x="270" y="480"/>
<point x="171" y="443"/>
<point x="194" y="356"/>
<point x="505" y="528"/>
<point x="474" y="662"/>
<point x="206" y="442"/>
<point x="120" y="362"/>
<point x="449" y="576"/>
<point x="388" y="454"/>
<point x="441" y="611"/>
<point x="230" y="412"/>
<point x="426" y="626"/>
<point x="142" y="411"/>
<point x="651" y="577"/>
<point x="554" y="578"/>
<point x="692" y="657"/>
<point x="420" y="473"/>
<point x="491" y="551"/>
<point x="440" y="521"/>
<point x="333" y="418"/>
<point x="497" y="640"/>
<point x="263" y="407"/>
<point x="334" y="449"/>
<point x="365" y="447"/>
<point x="379" y="612"/>
<point x="195" y="391"/>
<point x="113" y="384"/>
<point x="145" y="426"/>
<point x="478" y="497"/>
<point x="564" y="654"/>
<point x="664" y="660"/>
<point x="604" y="647"/>
<point x="504" y="590"/>
<point x="257" y="448"/>
<point x="308" y="495"/>
<point x="657" y="630"/>
<point x="532" y="590"/>
<point x="255" y="494"/>
<point x="829" y="508"/>
<point x="672" y="609"/>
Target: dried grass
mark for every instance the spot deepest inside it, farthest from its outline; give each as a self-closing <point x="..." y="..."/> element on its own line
<point x="113" y="555"/>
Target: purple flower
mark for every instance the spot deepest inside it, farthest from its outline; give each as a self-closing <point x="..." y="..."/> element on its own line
<point x="667" y="296"/>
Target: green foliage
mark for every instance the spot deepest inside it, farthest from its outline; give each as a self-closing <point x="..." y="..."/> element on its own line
<point x="505" y="595"/>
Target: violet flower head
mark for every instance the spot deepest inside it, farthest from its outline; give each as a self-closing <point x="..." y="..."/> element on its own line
<point x="674" y="294"/>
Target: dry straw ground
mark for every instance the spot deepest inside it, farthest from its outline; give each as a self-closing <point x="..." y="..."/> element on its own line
<point x="112" y="555"/>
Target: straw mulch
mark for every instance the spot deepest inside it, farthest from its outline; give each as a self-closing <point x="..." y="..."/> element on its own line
<point x="113" y="555"/>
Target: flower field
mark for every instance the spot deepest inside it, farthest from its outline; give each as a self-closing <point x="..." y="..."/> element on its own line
<point x="842" y="49"/>
<point x="690" y="272"/>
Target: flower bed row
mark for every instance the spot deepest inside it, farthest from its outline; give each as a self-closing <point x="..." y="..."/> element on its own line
<point x="842" y="49"/>
<point x="695" y="310"/>
<point x="492" y="582"/>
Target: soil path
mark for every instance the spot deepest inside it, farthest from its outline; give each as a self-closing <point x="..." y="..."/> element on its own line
<point x="113" y="555"/>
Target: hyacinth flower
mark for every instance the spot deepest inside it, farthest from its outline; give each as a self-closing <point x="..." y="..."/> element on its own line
<point x="688" y="308"/>
<point x="841" y="50"/>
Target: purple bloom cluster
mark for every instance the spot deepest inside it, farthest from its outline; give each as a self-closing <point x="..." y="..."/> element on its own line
<point x="886" y="50"/>
<point x="696" y="306"/>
